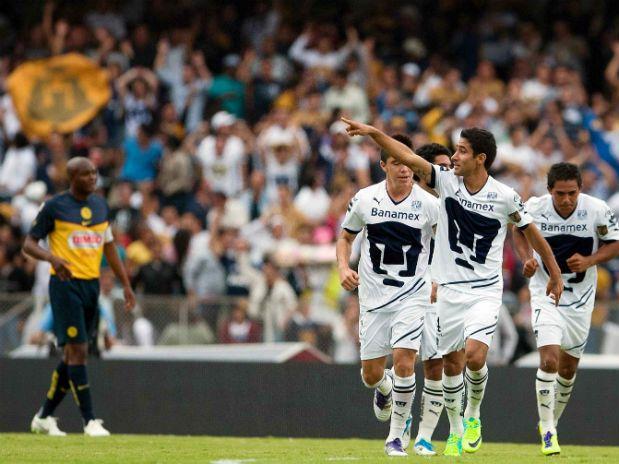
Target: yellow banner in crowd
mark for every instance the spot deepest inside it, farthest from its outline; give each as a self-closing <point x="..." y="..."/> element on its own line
<point x="58" y="94"/>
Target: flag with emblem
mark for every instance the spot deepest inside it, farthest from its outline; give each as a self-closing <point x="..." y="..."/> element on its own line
<point x="58" y="94"/>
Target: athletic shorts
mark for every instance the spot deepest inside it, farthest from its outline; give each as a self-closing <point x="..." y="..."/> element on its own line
<point x="75" y="309"/>
<point x="429" y="339"/>
<point x="462" y="316"/>
<point x="399" y="325"/>
<point x="563" y="326"/>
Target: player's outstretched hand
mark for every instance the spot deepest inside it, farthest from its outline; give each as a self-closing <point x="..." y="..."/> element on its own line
<point x="433" y="292"/>
<point x="129" y="298"/>
<point x="554" y="289"/>
<point x="578" y="263"/>
<point x="61" y="267"/>
<point x="530" y="267"/>
<point x="358" y="128"/>
<point x="349" y="279"/>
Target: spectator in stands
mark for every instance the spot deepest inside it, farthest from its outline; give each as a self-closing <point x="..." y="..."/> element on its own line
<point x="142" y="156"/>
<point x="238" y="327"/>
<point x="157" y="277"/>
<point x="18" y="166"/>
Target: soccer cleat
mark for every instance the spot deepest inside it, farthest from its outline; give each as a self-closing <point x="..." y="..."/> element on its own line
<point x="47" y="426"/>
<point x="454" y="446"/>
<point x="406" y="436"/>
<point x="550" y="443"/>
<point x="424" y="448"/>
<point x="394" y="448"/>
<point x="382" y="403"/>
<point x="471" y="440"/>
<point x="95" y="428"/>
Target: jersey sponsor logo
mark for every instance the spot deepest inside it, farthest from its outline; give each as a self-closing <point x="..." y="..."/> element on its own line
<point x="475" y="206"/>
<point x="82" y="239"/>
<point x="563" y="227"/>
<point x="395" y="214"/>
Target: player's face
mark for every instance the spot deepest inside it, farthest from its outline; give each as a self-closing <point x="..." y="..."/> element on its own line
<point x="85" y="180"/>
<point x="565" y="196"/>
<point x="464" y="162"/>
<point x="443" y="161"/>
<point x="397" y="173"/>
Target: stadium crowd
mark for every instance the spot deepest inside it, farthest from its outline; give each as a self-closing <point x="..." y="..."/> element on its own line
<point x="226" y="166"/>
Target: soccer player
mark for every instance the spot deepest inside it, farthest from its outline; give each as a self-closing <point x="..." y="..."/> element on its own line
<point x="76" y="226"/>
<point x="432" y="394"/>
<point x="582" y="232"/>
<point x="396" y="218"/>
<point x="467" y="265"/>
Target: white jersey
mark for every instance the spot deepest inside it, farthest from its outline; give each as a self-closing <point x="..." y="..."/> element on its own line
<point x="223" y="172"/>
<point x="395" y="243"/>
<point x="468" y="256"/>
<point x="591" y="222"/>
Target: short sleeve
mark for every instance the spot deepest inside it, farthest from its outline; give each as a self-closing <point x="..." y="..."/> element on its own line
<point x="606" y="225"/>
<point x="439" y="177"/>
<point x="433" y="211"/>
<point x="44" y="222"/>
<point x="353" y="221"/>
<point x="517" y="212"/>
<point x="108" y="236"/>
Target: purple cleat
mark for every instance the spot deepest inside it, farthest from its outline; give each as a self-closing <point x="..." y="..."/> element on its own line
<point x="382" y="404"/>
<point x="394" y="448"/>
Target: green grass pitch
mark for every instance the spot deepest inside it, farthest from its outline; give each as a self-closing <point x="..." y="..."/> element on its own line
<point x="25" y="448"/>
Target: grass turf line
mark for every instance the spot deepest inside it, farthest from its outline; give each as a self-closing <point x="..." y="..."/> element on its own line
<point x="28" y="448"/>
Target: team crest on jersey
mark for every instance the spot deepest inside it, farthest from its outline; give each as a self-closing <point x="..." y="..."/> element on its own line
<point x="416" y="204"/>
<point x="515" y="216"/>
<point x="581" y="213"/>
<point x="492" y="196"/>
<point x="86" y="214"/>
<point x="602" y="230"/>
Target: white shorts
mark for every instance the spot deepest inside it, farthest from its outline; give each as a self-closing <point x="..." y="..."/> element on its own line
<point x="566" y="327"/>
<point x="399" y="325"/>
<point x="462" y="316"/>
<point x="429" y="339"/>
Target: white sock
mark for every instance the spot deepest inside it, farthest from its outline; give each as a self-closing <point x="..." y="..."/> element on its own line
<point x="563" y="391"/>
<point x="403" y="395"/>
<point x="475" y="388"/>
<point x="453" y="392"/>
<point x="545" y="391"/>
<point x="431" y="409"/>
<point x="384" y="385"/>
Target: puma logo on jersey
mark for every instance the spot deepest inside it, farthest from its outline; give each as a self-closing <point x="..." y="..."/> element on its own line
<point x="377" y="200"/>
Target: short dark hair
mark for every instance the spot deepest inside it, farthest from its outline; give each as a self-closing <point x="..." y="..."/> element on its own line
<point x="482" y="141"/>
<point x="405" y="139"/>
<point x="564" y="171"/>
<point x="430" y="151"/>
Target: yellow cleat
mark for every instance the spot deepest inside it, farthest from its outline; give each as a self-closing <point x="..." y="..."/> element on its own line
<point x="454" y="446"/>
<point x="471" y="440"/>
<point x="550" y="444"/>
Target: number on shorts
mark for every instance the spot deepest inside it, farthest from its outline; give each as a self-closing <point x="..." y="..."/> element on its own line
<point x="474" y="231"/>
<point x="537" y="313"/>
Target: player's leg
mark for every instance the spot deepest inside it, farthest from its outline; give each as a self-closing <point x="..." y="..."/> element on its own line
<point x="431" y="406"/>
<point x="451" y="308"/>
<point x="374" y="332"/>
<point x="566" y="377"/>
<point x="481" y="321"/>
<point x="406" y="330"/>
<point x="432" y="394"/>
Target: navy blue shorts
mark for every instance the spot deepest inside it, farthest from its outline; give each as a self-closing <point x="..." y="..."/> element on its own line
<point x="75" y="309"/>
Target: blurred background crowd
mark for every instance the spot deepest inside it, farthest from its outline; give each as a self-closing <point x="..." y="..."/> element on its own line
<point x="228" y="171"/>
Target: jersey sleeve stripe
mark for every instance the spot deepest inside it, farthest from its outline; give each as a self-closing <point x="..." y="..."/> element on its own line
<point x="432" y="183"/>
<point x="350" y="231"/>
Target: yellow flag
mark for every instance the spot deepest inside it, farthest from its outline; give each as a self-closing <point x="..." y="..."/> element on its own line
<point x="58" y="94"/>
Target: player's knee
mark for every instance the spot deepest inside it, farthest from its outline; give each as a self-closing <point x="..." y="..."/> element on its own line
<point x="549" y="363"/>
<point x="433" y="369"/>
<point x="76" y="353"/>
<point x="372" y="375"/>
<point x="404" y="368"/>
<point x="567" y="372"/>
<point x="475" y="359"/>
